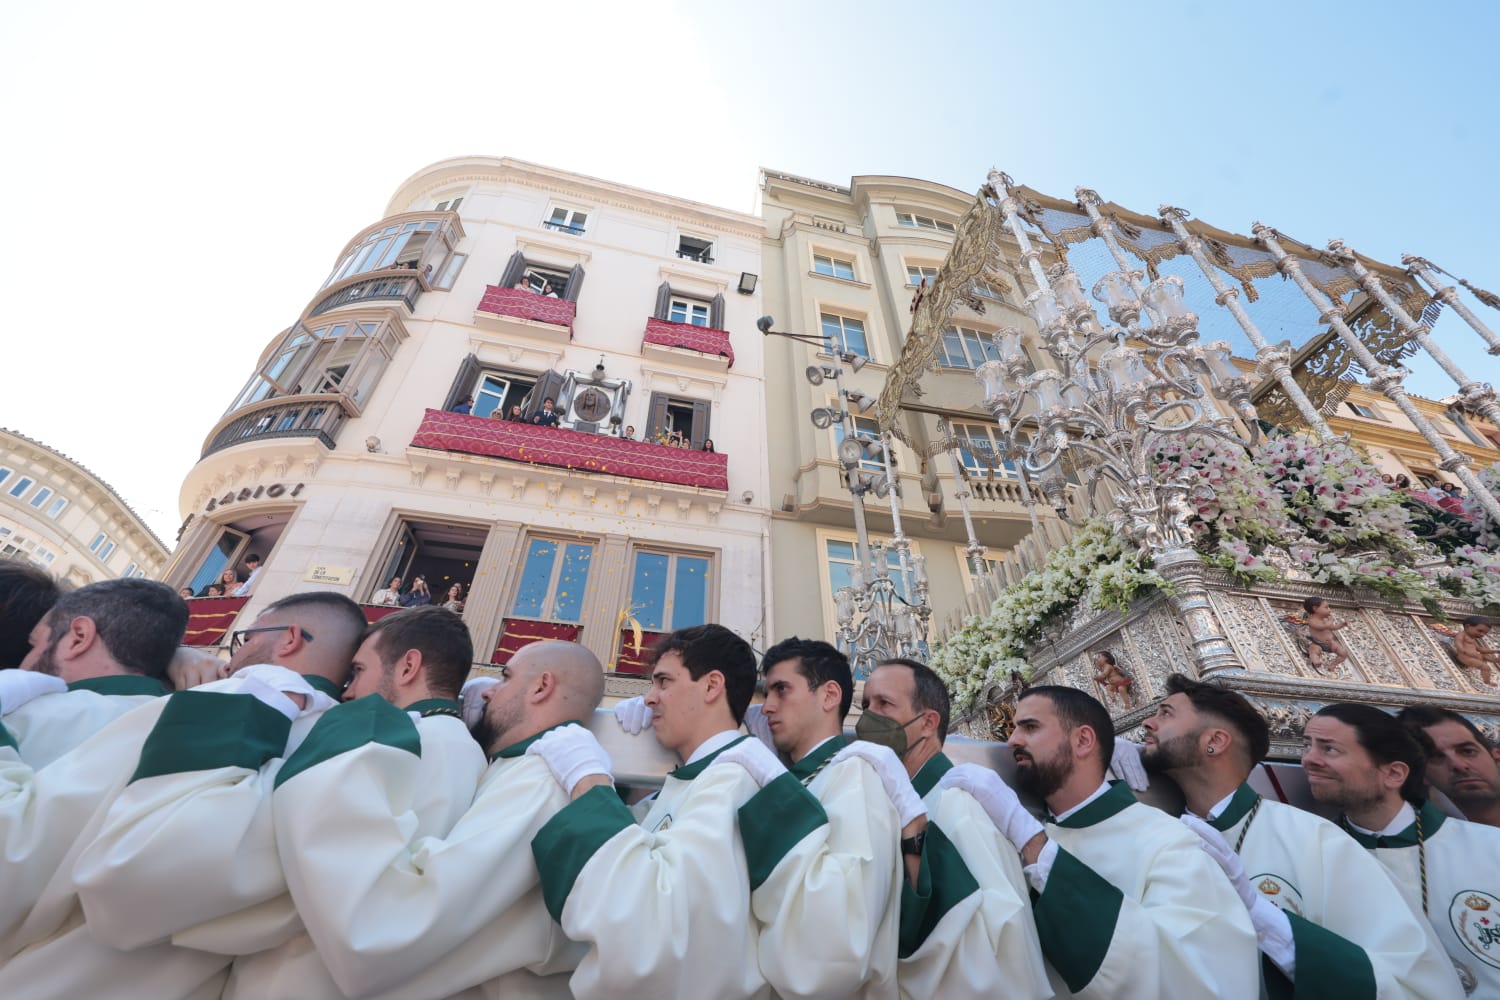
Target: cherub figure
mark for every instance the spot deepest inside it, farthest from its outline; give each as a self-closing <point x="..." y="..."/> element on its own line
<point x="1111" y="678"/>
<point x="1322" y="640"/>
<point x="1470" y="651"/>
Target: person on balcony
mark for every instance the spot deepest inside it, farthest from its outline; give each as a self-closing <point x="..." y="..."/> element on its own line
<point x="515" y="415"/>
<point x="708" y="444"/>
<point x="465" y="405"/>
<point x="418" y="596"/>
<point x="1328" y="919"/>
<point x="546" y="416"/>
<point x="213" y="590"/>
<point x="455" y="599"/>
<point x="547" y="291"/>
<point x="254" y="565"/>
<point x="186" y="593"/>
<point x="629" y="434"/>
<point x="390" y="595"/>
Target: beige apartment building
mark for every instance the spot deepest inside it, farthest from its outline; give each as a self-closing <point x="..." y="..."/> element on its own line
<point x="368" y="444"/>
<point x="67" y="520"/>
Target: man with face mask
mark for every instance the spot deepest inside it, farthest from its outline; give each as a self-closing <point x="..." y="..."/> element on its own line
<point x="967" y="929"/>
<point x="1128" y="906"/>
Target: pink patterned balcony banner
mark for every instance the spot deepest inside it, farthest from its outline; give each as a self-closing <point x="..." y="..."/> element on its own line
<point x="528" y="305"/>
<point x="573" y="450"/>
<point x="703" y="339"/>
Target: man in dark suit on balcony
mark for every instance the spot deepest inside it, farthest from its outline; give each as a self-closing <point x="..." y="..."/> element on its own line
<point x="546" y="416"/>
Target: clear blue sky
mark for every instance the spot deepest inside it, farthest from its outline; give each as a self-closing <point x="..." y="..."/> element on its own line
<point x="181" y="176"/>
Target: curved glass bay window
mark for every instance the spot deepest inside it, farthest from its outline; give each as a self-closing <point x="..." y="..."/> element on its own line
<point x="346" y="356"/>
<point x="422" y="242"/>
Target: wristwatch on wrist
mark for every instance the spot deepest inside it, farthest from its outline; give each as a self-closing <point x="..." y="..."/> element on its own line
<point x="913" y="845"/>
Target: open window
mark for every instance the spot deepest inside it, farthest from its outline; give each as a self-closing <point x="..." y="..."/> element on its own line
<point x="695" y="248"/>
<point x="682" y="415"/>
<point x="537" y="276"/>
<point x="493" y="388"/>
<point x="676" y="307"/>
<point x="443" y="554"/>
<point x="563" y="219"/>
<point x="233" y="541"/>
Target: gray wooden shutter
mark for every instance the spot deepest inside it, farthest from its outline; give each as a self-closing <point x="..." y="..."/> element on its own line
<point x="575" y="283"/>
<point x="549" y="384"/>
<point x="716" y="312"/>
<point x="700" y="423"/>
<point x="663" y="300"/>
<point x="463" y="383"/>
<point x="514" y="269"/>
<point x="656" y="416"/>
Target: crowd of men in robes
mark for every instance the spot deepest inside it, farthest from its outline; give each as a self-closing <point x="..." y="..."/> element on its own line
<point x="335" y="812"/>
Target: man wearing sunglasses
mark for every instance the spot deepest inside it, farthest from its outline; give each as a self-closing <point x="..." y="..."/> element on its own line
<point x="199" y="750"/>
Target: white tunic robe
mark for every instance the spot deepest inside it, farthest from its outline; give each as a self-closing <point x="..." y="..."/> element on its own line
<point x="1463" y="887"/>
<point x="1134" y="909"/>
<point x="45" y="728"/>
<point x="967" y="929"/>
<point x="664" y="906"/>
<point x="1354" y="934"/>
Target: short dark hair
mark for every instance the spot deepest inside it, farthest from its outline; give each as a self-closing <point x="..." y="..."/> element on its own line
<point x="819" y="662"/>
<point x="438" y="634"/>
<point x="1387" y="741"/>
<point x="337" y="606"/>
<point x="1476" y="620"/>
<point x="928" y="694"/>
<point x="27" y="593"/>
<point x="1229" y="707"/>
<point x="1079" y="708"/>
<point x="713" y="647"/>
<point x="252" y="558"/>
<point x="140" y="622"/>
<point x="1424" y="716"/>
<point x="1310" y="604"/>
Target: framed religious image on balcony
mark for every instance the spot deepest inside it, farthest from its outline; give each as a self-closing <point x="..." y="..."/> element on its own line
<point x="553" y="579"/>
<point x="669" y="418"/>
<point x="671" y="590"/>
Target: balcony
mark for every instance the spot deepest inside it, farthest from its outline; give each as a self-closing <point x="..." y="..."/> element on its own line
<point x="210" y="618"/>
<point x="571" y="450"/>
<point x="315" y="415"/>
<point x="392" y="285"/>
<point x="526" y="313"/>
<point x="518" y="632"/>
<point x="685" y="342"/>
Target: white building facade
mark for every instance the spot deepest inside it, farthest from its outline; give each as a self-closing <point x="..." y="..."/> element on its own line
<point x="495" y="285"/>
<point x="67" y="520"/>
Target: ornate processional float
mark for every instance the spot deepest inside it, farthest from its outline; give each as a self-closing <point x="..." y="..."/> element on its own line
<point x="1204" y="499"/>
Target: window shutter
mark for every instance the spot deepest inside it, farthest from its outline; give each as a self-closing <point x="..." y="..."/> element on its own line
<point x="575" y="283"/>
<point x="514" y="269"/>
<point x="656" y="420"/>
<point x="664" y="300"/>
<point x="463" y="384"/>
<point x="700" y="423"/>
<point x="716" y="312"/>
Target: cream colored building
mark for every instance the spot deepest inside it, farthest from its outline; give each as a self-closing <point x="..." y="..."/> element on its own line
<point x="67" y="520"/>
<point x="845" y="263"/>
<point x="342" y="463"/>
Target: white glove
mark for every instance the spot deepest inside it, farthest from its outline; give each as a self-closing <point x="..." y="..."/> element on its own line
<point x="1272" y="927"/>
<point x="757" y="725"/>
<point x="17" y="687"/>
<point x="571" y="754"/>
<point x="1126" y="765"/>
<point x="753" y="755"/>
<point x="893" y="777"/>
<point x="633" y="715"/>
<point x="260" y="680"/>
<point x="998" y="801"/>
<point x="192" y="667"/>
<point x="471" y="699"/>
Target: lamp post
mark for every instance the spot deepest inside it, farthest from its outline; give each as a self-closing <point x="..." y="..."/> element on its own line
<point x="1108" y="398"/>
<point x="874" y="621"/>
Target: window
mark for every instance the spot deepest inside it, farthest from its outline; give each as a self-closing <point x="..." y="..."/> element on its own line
<point x="965" y="348"/>
<point x="5" y="473"/>
<point x="694" y="248"/>
<point x="106" y="550"/>
<point x="845" y="334"/>
<point x="40" y="497"/>
<point x="58" y="506"/>
<point x="674" y="414"/>
<point x="986" y="290"/>
<point x="449" y="206"/>
<point x="914" y="221"/>
<point x="347" y="357"/>
<point x="840" y="555"/>
<point x="918" y="273"/>
<point x="566" y="220"/>
<point x="979" y="448"/>
<point x="991" y="566"/>
<point x="534" y="276"/>
<point x="21" y="485"/>
<point x="553" y="580"/>
<point x="129" y="571"/>
<point x="833" y="267"/>
<point x="422" y="245"/>
<point x="499" y="391"/>
<point x="1360" y="410"/>
<point x="688" y="311"/>
<point x="866" y="429"/>
<point x="670" y="591"/>
<point x="450" y="273"/>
